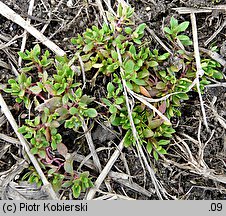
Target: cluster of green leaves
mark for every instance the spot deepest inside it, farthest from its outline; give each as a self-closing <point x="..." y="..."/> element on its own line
<point x="148" y="72"/>
<point x="79" y="184"/>
<point x="53" y="95"/>
<point x="172" y="32"/>
<point x="119" y="53"/>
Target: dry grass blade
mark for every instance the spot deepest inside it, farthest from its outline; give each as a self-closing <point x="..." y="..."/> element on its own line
<point x="12" y="15"/>
<point x="199" y="72"/>
<point x="187" y="10"/>
<point x="215" y="33"/>
<point x="100" y="6"/>
<point x="47" y="185"/>
<point x="135" y="187"/>
<point x="23" y="44"/>
<point x="91" y="146"/>
<point x="9" y="139"/>
<point x="105" y="171"/>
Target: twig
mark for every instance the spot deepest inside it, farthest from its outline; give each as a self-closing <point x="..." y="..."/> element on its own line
<point x="215" y="33"/>
<point x="10" y="14"/>
<point x="9" y="139"/>
<point x="144" y="101"/>
<point x="216" y="85"/>
<point x="83" y="71"/>
<point x="101" y="9"/>
<point x="23" y="44"/>
<point x="199" y="72"/>
<point x="47" y="185"/>
<point x="187" y="10"/>
<point x="135" y="187"/>
<point x="105" y="171"/>
<point x="91" y="145"/>
<point x="12" y="41"/>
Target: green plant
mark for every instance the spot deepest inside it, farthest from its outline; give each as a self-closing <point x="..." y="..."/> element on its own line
<point x="172" y="32"/>
<point x="51" y="91"/>
<point x="117" y="53"/>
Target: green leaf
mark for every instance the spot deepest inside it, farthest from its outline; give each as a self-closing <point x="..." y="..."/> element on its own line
<point x="37" y="120"/>
<point x="182" y="96"/>
<point x="110" y="88"/>
<point x="173" y="22"/>
<point x="24" y="56"/>
<point x="167" y="30"/>
<point x="42" y="153"/>
<point x="78" y="93"/>
<point x="162" y="73"/>
<point x="34" y="150"/>
<point x="37" y="50"/>
<point x="73" y="111"/>
<point x="163" y="142"/>
<point x="67" y="184"/>
<point x="91" y="112"/>
<point x="154" y="123"/>
<point x="129" y="12"/>
<point x="88" y="47"/>
<point x="156" y="156"/>
<point x="68" y="166"/>
<point x="218" y="75"/>
<point x="119" y="100"/>
<point x="26" y="69"/>
<point x="148" y="133"/>
<point x="112" y="109"/>
<point x="22" y="129"/>
<point x="140" y="28"/>
<point x="161" y="85"/>
<point x="183" y="37"/>
<point x="142" y="74"/>
<point x="182" y="27"/>
<point x="119" y="10"/>
<point x="76" y="190"/>
<point x="129" y="66"/>
<point x="153" y="64"/>
<point x="128" y="30"/>
<point x="140" y="82"/>
<point x="106" y="101"/>
<point x="28" y="136"/>
<point x="137" y="41"/>
<point x="132" y="49"/>
<point x="97" y="65"/>
<point x="186" y="42"/>
<point x="51" y="171"/>
<point x="164" y="56"/>
<point x="162" y="151"/>
<point x="35" y="89"/>
<point x="149" y="147"/>
<point x="114" y="54"/>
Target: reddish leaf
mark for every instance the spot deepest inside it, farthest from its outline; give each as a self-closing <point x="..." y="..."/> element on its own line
<point x="162" y="107"/>
<point x="48" y="134"/>
<point x="144" y="91"/>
